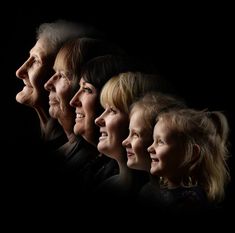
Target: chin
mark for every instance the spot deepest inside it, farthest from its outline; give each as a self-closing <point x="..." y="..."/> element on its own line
<point x="78" y="131"/>
<point x="24" y="100"/>
<point x="20" y="97"/>
<point x="130" y="164"/>
<point x="100" y="148"/>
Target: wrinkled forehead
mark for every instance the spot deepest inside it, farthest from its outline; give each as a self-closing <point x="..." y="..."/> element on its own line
<point x="42" y="48"/>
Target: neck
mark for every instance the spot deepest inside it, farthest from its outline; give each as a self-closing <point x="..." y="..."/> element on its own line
<point x="44" y="117"/>
<point x="124" y="171"/>
<point x="67" y="125"/>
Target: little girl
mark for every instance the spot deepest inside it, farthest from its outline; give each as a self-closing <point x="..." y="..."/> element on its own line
<point x="189" y="153"/>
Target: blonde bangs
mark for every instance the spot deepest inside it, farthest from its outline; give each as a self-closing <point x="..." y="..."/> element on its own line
<point x="112" y="94"/>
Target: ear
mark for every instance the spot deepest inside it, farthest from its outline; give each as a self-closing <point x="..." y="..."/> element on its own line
<point x="195" y="156"/>
<point x="196" y="152"/>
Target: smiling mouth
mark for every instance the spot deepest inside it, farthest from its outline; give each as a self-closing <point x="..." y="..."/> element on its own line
<point x="28" y="85"/>
<point x="130" y="154"/>
<point x="103" y="136"/>
<point x="155" y="160"/>
<point x="80" y="115"/>
<point x="52" y="102"/>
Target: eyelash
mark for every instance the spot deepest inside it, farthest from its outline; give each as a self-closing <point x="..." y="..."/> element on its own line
<point x="159" y="141"/>
<point x="32" y="62"/>
<point x="86" y="89"/>
<point x="112" y="110"/>
<point x="63" y="76"/>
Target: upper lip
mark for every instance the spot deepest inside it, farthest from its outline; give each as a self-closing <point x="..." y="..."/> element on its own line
<point x="79" y="113"/>
<point x="129" y="152"/>
<point x="27" y="83"/>
<point x="52" y="99"/>
<point x="103" y="132"/>
<point x="154" y="158"/>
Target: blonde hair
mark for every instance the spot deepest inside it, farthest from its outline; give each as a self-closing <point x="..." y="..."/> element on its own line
<point x="153" y="103"/>
<point x="208" y="130"/>
<point x="122" y="90"/>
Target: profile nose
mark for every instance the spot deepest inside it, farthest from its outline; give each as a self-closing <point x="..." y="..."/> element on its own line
<point x="151" y="150"/>
<point x="126" y="142"/>
<point x="21" y="73"/>
<point x="100" y="121"/>
<point x="75" y="101"/>
<point x="49" y="85"/>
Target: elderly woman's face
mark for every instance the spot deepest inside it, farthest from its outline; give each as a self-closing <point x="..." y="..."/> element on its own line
<point x="35" y="72"/>
<point x="61" y="87"/>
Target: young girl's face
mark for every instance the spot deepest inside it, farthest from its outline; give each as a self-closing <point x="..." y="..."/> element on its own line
<point x="166" y="151"/>
<point x="140" y="137"/>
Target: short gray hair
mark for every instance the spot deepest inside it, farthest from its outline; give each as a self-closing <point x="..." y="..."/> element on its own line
<point x="60" y="31"/>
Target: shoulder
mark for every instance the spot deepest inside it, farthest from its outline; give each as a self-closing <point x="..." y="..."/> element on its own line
<point x="184" y="199"/>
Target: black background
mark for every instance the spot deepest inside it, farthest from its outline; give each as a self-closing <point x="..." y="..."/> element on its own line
<point x="192" y="45"/>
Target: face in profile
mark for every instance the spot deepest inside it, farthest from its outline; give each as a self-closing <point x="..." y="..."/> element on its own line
<point x="60" y="86"/>
<point x="113" y="129"/>
<point x="86" y="102"/>
<point x="166" y="151"/>
<point x="35" y="72"/>
<point x="136" y="144"/>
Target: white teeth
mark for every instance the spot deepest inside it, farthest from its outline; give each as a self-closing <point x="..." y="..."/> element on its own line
<point x="79" y="115"/>
<point x="103" y="134"/>
<point x="155" y="159"/>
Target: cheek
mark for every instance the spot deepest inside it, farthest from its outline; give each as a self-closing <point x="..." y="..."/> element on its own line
<point x="118" y="134"/>
<point x="166" y="156"/>
<point x="64" y="92"/>
<point x="90" y="104"/>
<point x="143" y="153"/>
<point x="137" y="147"/>
<point x="38" y="77"/>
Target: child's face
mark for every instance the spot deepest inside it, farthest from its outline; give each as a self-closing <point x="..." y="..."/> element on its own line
<point x="166" y="151"/>
<point x="137" y="143"/>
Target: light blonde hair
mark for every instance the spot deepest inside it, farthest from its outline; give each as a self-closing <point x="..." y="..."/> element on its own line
<point x="122" y="90"/>
<point x="208" y="130"/>
<point x="153" y="103"/>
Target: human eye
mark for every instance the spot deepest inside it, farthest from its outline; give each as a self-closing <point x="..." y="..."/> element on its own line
<point x="113" y="110"/>
<point x="36" y="60"/>
<point x="160" y="141"/>
<point x="33" y="61"/>
<point x="135" y="135"/>
<point x="87" y="90"/>
<point x="63" y="76"/>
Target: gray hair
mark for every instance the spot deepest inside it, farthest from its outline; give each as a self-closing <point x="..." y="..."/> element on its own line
<point x="60" y="31"/>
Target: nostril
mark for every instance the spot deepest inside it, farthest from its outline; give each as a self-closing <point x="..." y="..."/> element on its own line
<point x="99" y="121"/>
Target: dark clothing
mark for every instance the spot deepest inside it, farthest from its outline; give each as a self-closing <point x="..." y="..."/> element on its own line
<point x="80" y="167"/>
<point x="184" y="199"/>
<point x="180" y="200"/>
<point x="121" y="190"/>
